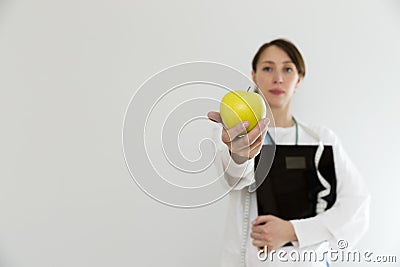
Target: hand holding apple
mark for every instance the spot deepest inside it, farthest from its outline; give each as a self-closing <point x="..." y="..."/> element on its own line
<point x="246" y="147"/>
<point x="241" y="112"/>
<point x="239" y="106"/>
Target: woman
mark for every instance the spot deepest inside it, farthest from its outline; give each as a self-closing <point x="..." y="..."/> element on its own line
<point x="277" y="71"/>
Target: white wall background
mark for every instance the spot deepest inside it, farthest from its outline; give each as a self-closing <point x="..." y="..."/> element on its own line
<point x="69" y="68"/>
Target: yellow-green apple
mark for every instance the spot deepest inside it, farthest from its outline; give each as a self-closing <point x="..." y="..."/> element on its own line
<point x="238" y="106"/>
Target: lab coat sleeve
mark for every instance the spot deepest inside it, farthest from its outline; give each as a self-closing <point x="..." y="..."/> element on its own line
<point x="236" y="175"/>
<point x="348" y="218"/>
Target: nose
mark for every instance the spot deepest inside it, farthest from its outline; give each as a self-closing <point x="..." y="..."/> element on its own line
<point x="278" y="78"/>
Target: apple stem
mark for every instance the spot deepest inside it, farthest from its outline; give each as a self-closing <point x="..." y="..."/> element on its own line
<point x="248" y="88"/>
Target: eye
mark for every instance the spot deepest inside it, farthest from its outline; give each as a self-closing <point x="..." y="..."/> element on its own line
<point x="268" y="69"/>
<point x="288" y="69"/>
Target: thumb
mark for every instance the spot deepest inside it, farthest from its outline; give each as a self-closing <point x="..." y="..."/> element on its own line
<point x="214" y="116"/>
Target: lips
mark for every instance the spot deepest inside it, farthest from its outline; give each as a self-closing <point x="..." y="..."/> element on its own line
<point x="276" y="91"/>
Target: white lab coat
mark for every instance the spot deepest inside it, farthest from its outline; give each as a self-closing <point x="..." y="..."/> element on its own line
<point x="347" y="219"/>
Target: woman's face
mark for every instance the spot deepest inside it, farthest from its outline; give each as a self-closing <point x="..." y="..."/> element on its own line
<point x="276" y="76"/>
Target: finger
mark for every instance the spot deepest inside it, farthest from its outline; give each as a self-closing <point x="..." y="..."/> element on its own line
<point x="246" y="151"/>
<point x="271" y="247"/>
<point x="260" y="220"/>
<point x="255" y="150"/>
<point x="214" y="116"/>
<point x="263" y="219"/>
<point x="258" y="243"/>
<point x="256" y="147"/>
<point x="231" y="134"/>
<point x="241" y="146"/>
<point x="259" y="142"/>
<point x="257" y="230"/>
<point x="249" y="152"/>
<point x="257" y="236"/>
<point x="258" y="130"/>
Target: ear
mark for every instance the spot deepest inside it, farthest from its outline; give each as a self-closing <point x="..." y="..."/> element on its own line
<point x="298" y="82"/>
<point x="253" y="76"/>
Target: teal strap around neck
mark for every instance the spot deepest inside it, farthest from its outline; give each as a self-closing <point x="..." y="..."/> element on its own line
<point x="297" y="131"/>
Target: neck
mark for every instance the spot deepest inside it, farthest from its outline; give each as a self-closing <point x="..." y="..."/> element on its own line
<point x="282" y="118"/>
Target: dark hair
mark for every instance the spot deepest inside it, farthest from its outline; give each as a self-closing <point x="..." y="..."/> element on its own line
<point x="289" y="48"/>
